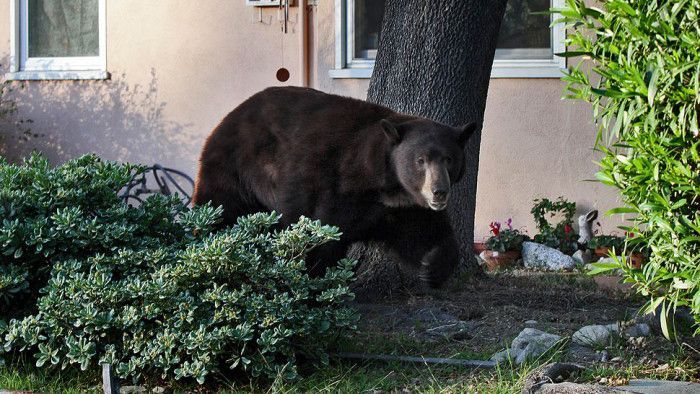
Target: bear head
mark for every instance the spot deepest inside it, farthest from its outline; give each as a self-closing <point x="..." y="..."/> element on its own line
<point x="428" y="158"/>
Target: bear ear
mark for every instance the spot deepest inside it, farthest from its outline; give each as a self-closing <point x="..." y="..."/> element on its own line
<point x="390" y="130"/>
<point x="466" y="132"/>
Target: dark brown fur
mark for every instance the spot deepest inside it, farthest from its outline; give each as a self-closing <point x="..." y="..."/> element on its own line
<point x="300" y="152"/>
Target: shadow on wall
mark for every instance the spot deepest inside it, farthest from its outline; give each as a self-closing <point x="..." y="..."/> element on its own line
<point x="116" y="120"/>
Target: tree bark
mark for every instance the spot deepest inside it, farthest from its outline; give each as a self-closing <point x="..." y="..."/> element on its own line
<point x="434" y="60"/>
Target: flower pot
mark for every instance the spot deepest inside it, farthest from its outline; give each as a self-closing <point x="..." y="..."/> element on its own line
<point x="500" y="260"/>
<point x="602" y="251"/>
<point x="479" y="247"/>
<point x="636" y="260"/>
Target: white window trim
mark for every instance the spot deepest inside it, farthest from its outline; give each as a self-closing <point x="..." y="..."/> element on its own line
<point x="49" y="68"/>
<point x="347" y="67"/>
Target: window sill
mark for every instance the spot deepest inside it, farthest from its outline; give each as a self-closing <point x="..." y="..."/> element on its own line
<point x="359" y="73"/>
<point x="56" y="75"/>
<point x="527" y="71"/>
<point x="499" y="72"/>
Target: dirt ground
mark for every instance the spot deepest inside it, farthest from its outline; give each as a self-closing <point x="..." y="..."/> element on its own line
<point x="494" y="310"/>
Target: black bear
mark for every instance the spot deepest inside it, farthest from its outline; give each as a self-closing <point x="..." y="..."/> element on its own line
<point x="376" y="174"/>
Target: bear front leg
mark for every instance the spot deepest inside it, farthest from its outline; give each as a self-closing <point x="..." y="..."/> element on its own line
<point x="424" y="239"/>
<point x="439" y="263"/>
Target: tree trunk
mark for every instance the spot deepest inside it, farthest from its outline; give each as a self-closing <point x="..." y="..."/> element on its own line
<point x="434" y="60"/>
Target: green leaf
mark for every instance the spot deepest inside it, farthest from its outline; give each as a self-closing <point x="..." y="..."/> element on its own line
<point x="599" y="268"/>
<point x="620" y="210"/>
<point x="666" y="327"/>
<point x="651" y="90"/>
<point x="605" y="178"/>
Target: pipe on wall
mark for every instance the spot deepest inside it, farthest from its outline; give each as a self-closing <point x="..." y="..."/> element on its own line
<point x="303" y="43"/>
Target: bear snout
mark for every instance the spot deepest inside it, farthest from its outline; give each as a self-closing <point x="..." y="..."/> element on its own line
<point x="438" y="202"/>
<point x="436" y="187"/>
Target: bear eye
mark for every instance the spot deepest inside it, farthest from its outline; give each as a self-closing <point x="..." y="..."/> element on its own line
<point x="448" y="160"/>
<point x="420" y="161"/>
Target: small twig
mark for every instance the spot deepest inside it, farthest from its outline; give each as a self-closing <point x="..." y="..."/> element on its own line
<point x="412" y="359"/>
<point x="686" y="344"/>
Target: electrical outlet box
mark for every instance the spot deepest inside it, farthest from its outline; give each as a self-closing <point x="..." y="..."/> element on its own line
<point x="266" y="3"/>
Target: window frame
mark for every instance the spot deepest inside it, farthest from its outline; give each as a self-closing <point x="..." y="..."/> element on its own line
<point x="23" y="67"/>
<point x="346" y="66"/>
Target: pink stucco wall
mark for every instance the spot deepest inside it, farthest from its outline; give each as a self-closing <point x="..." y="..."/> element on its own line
<point x="179" y="66"/>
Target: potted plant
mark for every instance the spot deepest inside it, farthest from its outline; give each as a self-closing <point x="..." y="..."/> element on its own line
<point x="504" y="246"/>
<point x="601" y="245"/>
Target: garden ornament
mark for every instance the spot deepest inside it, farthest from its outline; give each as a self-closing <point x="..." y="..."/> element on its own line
<point x="585" y="230"/>
<point x="585" y="225"/>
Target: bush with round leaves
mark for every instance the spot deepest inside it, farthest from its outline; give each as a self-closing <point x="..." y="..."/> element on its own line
<point x="164" y="295"/>
<point x="72" y="211"/>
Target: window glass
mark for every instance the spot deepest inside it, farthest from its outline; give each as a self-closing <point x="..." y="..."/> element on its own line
<point x="368" y="23"/>
<point x="64" y="28"/>
<point x="524" y="33"/>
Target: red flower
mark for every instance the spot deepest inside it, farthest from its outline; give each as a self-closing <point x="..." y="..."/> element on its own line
<point x="495" y="228"/>
<point x="629" y="234"/>
<point x="567" y="229"/>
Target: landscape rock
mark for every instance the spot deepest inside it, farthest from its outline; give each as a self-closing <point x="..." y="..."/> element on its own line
<point x="3" y="391"/>
<point x="551" y="379"/>
<point x="530" y="343"/>
<point x="638" y="330"/>
<point x="644" y="386"/>
<point x="594" y="335"/>
<point x="582" y="257"/>
<point x="132" y="389"/>
<point x="501" y="356"/>
<point x="531" y="323"/>
<point x="682" y="316"/>
<point x="540" y="256"/>
<point x="582" y="354"/>
<point x="453" y="331"/>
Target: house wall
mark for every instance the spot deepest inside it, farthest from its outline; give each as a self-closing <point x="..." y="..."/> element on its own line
<point x="179" y="66"/>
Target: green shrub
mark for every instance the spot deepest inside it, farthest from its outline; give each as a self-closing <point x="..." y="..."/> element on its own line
<point x="643" y="80"/>
<point x="73" y="212"/>
<point x="151" y="289"/>
<point x="561" y="235"/>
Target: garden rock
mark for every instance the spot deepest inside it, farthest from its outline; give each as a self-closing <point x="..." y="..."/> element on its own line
<point x="644" y="386"/>
<point x="594" y="335"/>
<point x="682" y="316"/>
<point x="551" y="379"/>
<point x="132" y="389"/>
<point x="638" y="330"/>
<point x="452" y="331"/>
<point x="540" y="256"/>
<point x="582" y="257"/>
<point x="582" y="354"/>
<point x="530" y="343"/>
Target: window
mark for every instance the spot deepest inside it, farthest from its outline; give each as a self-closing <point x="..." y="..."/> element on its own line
<point x="58" y="39"/>
<point x="525" y="49"/>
